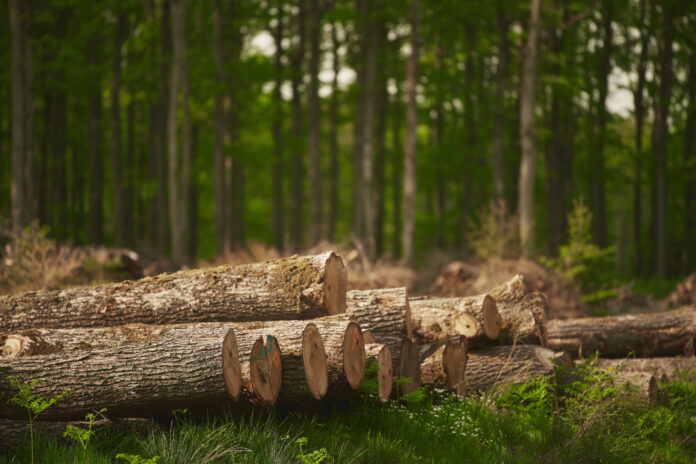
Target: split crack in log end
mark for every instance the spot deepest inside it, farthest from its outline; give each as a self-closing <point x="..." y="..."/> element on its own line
<point x="354" y="355"/>
<point x="335" y="285"/>
<point x="314" y="361"/>
<point x="266" y="369"/>
<point x="231" y="369"/>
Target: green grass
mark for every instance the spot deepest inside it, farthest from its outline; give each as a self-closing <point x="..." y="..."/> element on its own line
<point x="588" y="420"/>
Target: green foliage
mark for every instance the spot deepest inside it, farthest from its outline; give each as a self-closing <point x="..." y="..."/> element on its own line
<point x="80" y="435"/>
<point x="314" y="457"/>
<point x="137" y="459"/>
<point x="495" y="233"/>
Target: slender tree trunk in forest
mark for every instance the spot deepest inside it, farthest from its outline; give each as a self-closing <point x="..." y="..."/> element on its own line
<point x="397" y="174"/>
<point x="380" y="161"/>
<point x="129" y="205"/>
<point x="296" y="191"/>
<point x="58" y="203"/>
<point x="528" y="133"/>
<point x="30" y="189"/>
<point x="186" y="142"/>
<point x="690" y="169"/>
<point x="470" y="129"/>
<point x="278" y="208"/>
<point x="660" y="135"/>
<point x="597" y="180"/>
<point x="362" y="9"/>
<point x="314" y="123"/>
<point x="441" y="165"/>
<point x="119" y="212"/>
<point x="17" y="187"/>
<point x="96" y="189"/>
<point x="638" y="168"/>
<point x="162" y="168"/>
<point x="411" y="135"/>
<point x="219" y="130"/>
<point x="193" y="201"/>
<point x="503" y="24"/>
<point x="333" y="139"/>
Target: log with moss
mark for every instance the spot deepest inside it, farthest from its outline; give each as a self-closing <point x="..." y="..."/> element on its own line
<point x="522" y="313"/>
<point x="437" y="319"/>
<point x="299" y="287"/>
<point x="666" y="333"/>
<point x="382" y="311"/>
<point x="496" y="366"/>
<point x="382" y="375"/>
<point x="446" y="366"/>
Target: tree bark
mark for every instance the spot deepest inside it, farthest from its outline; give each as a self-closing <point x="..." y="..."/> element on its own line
<point x="17" y="184"/>
<point x="652" y="334"/>
<point x="379" y="190"/>
<point x="522" y="313"/>
<point x="333" y="140"/>
<point x="290" y="288"/>
<point x="96" y="189"/>
<point x="496" y="366"/>
<point x="638" y="95"/>
<point x="503" y="26"/>
<point x="296" y="191"/>
<point x="163" y="233"/>
<point x="314" y="123"/>
<point x="690" y="168"/>
<point x="445" y="368"/>
<point x="384" y="311"/>
<point x="411" y="136"/>
<point x="437" y="319"/>
<point x="30" y="152"/>
<point x="219" y="133"/>
<point x="116" y="143"/>
<point x="278" y="207"/>
<point x="397" y="175"/>
<point x="384" y="375"/>
<point x="528" y="132"/>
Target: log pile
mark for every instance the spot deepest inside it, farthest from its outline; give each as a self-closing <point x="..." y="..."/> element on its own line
<point x="287" y="332"/>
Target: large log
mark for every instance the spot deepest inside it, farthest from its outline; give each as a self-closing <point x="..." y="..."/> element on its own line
<point x="383" y="311"/>
<point x="438" y="319"/>
<point x="509" y="364"/>
<point x="646" y="374"/>
<point x="289" y="288"/>
<point x="380" y="355"/>
<point x="666" y="333"/>
<point x="446" y="366"/>
<point x="522" y="313"/>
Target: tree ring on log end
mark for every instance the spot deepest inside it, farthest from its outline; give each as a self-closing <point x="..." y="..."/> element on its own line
<point x="454" y="359"/>
<point x="353" y="355"/>
<point x="266" y="369"/>
<point x="465" y="324"/>
<point x="491" y="318"/>
<point x="335" y="285"/>
<point x="314" y="361"/>
<point x="231" y="369"/>
<point x="409" y="368"/>
<point x="385" y="374"/>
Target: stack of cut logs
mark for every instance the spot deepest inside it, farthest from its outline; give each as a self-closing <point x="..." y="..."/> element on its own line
<point x="286" y="331"/>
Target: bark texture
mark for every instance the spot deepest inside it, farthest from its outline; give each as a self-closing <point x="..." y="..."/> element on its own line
<point x="646" y="373"/>
<point x="502" y="365"/>
<point x="289" y="288"/>
<point x="345" y="354"/>
<point x="653" y="334"/>
<point x="522" y="313"/>
<point x="383" y="311"/>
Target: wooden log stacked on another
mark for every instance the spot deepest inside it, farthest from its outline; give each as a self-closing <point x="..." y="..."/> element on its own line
<point x="522" y="313"/>
<point x="445" y="366"/>
<point x="383" y="311"/>
<point x="500" y="365"/>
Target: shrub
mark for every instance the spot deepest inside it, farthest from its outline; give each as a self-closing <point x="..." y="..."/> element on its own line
<point x="494" y="233"/>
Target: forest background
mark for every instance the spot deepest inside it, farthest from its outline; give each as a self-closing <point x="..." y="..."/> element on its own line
<point x="187" y="129"/>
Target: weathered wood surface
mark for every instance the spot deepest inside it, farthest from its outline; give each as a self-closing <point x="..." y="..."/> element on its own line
<point x="446" y="366"/>
<point x="647" y="373"/>
<point x="345" y="354"/>
<point x="437" y="319"/>
<point x="665" y="333"/>
<point x="383" y="311"/>
<point x="384" y="376"/>
<point x="522" y="313"/>
<point x="289" y="288"/>
<point x="16" y="432"/>
<point x="509" y="364"/>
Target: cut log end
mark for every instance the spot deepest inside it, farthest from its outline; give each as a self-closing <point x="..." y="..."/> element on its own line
<point x="266" y="369"/>
<point x="354" y="355"/>
<point x="335" y="285"/>
<point x="231" y="368"/>
<point x="12" y="346"/>
<point x="454" y="362"/>
<point x="466" y="325"/>
<point x="409" y="320"/>
<point x="385" y="375"/>
<point x="314" y="361"/>
<point x="491" y="318"/>
<point x="409" y="368"/>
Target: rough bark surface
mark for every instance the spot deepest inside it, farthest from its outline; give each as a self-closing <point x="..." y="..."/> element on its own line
<point x="383" y="311"/>
<point x="445" y="368"/>
<point x="15" y="432"/>
<point x="522" y="313"/>
<point x="653" y="334"/>
<point x="502" y="365"/>
<point x="289" y="288"/>
<point x="475" y="317"/>
<point x="645" y="373"/>
<point x="384" y="375"/>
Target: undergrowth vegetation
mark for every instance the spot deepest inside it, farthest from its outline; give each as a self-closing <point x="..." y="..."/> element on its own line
<point x="586" y="417"/>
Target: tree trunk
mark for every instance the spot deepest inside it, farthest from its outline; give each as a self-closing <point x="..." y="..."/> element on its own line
<point x="469" y="129"/>
<point x="290" y="288"/>
<point x="314" y="123"/>
<point x="96" y="188"/>
<point x="445" y="368"/>
<point x="660" y="136"/>
<point x="219" y="133"/>
<point x="496" y="366"/>
<point x="437" y="319"/>
<point x="667" y="333"/>
<point x="384" y="311"/>
<point x="131" y="176"/>
<point x="397" y="175"/>
<point x="30" y="152"/>
<point x="296" y="191"/>
<point x="378" y="196"/>
<point x="638" y="95"/>
<point x="278" y="206"/>
<point x="409" y="199"/>
<point x="690" y="169"/>
<point x="522" y="313"/>
<point x="119" y="212"/>
<point x="17" y="184"/>
<point x="163" y="233"/>
<point x="384" y="374"/>
<point x="503" y="24"/>
<point x="528" y="132"/>
<point x="333" y="140"/>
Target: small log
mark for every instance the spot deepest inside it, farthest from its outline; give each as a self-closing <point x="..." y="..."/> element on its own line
<point x="646" y="374"/>
<point x="289" y="288"/>
<point x="445" y="368"/>
<point x="345" y="354"/>
<point x="438" y="319"/>
<point x="522" y="313"/>
<point x="500" y="365"/>
<point x="382" y="311"/>
<point x="666" y="333"/>
<point x="409" y="368"/>
<point x="16" y="432"/>
<point x="384" y="376"/>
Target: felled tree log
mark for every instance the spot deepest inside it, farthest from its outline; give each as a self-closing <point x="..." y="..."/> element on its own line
<point x="500" y="365"/>
<point x="409" y="378"/>
<point x="522" y="313"/>
<point x="345" y="354"/>
<point x="16" y="432"/>
<point x="666" y="333"/>
<point x="445" y="368"/>
<point x="647" y="374"/>
<point x="383" y="311"/>
<point x="289" y="288"/>
<point x="384" y="376"/>
<point x="437" y="319"/>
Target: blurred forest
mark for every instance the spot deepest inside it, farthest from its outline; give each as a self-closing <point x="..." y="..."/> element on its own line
<point x="187" y="129"/>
